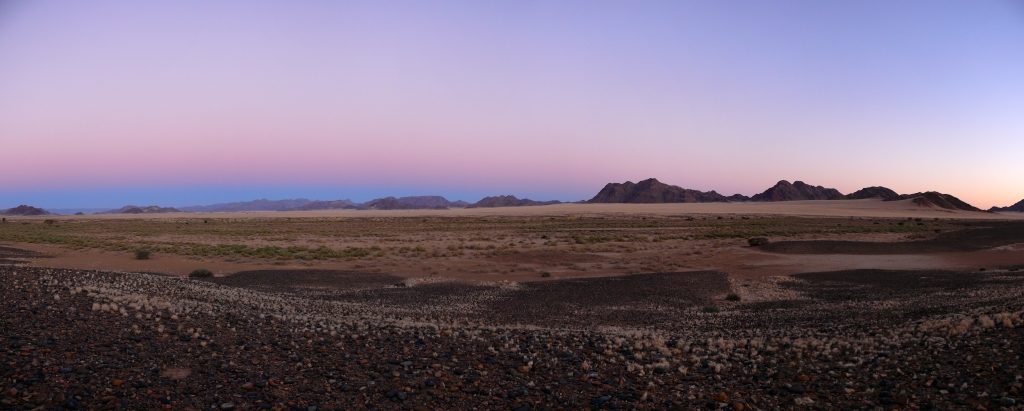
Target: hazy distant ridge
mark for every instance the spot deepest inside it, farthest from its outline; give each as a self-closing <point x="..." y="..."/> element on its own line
<point x="1019" y="208"/>
<point x="255" y="205"/>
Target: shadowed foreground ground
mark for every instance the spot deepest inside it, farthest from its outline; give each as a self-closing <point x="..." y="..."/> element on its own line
<point x="845" y="340"/>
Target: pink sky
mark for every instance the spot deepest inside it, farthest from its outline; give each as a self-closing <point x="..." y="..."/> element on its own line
<point x="545" y="100"/>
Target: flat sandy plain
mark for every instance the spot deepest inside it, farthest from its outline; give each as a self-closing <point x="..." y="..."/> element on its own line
<point x="852" y="305"/>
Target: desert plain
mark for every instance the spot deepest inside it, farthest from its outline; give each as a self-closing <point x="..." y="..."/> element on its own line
<point x="858" y="304"/>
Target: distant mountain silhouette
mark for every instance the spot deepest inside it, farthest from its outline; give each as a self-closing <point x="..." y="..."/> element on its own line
<point x="24" y="210"/>
<point x="432" y="202"/>
<point x="326" y="205"/>
<point x="873" y="192"/>
<point x="1019" y="208"/>
<point x="937" y="199"/>
<point x="509" y="201"/>
<point x="130" y="209"/>
<point x="391" y="203"/>
<point x="784" y="191"/>
<point x="255" y="205"/>
<point x="652" y="191"/>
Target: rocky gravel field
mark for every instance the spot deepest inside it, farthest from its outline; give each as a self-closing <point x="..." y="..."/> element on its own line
<point x="75" y="339"/>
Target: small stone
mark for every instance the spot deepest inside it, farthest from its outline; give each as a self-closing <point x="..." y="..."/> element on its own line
<point x="737" y="406"/>
<point x="247" y="386"/>
<point x="803" y="378"/>
<point x="65" y="370"/>
<point x="227" y="406"/>
<point x="795" y="389"/>
<point x="116" y="383"/>
<point x="721" y="397"/>
<point x="1007" y="402"/>
<point x="901" y="399"/>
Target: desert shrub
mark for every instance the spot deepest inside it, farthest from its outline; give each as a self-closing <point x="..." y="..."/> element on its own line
<point x="141" y="254"/>
<point x="200" y="273"/>
<point x="757" y="241"/>
<point x="545" y="274"/>
<point x="710" y="309"/>
<point x="732" y="297"/>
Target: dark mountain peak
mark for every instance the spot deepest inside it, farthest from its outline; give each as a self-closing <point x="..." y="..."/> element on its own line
<point x="873" y="192"/>
<point x="1016" y="208"/>
<point x="653" y="191"/>
<point x="937" y="199"/>
<point x="131" y="209"/>
<point x="24" y="210"/>
<point x="784" y="191"/>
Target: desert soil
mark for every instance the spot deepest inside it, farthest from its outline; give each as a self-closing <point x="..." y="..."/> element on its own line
<point x="602" y="311"/>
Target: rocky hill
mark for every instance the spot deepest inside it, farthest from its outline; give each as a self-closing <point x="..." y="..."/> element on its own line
<point x="509" y="201"/>
<point x="937" y="199"/>
<point x="873" y="192"/>
<point x="24" y="210"/>
<point x="255" y="205"/>
<point x="1018" y="208"/>
<point x="784" y="191"/>
<point x="130" y="209"/>
<point x="652" y="191"/>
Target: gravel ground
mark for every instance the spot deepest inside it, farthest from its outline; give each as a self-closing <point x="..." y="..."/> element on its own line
<point x="75" y="339"/>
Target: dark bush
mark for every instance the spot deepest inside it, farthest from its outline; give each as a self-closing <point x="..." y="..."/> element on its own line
<point x="141" y="254"/>
<point x="545" y="274"/>
<point x="200" y="273"/>
<point x="732" y="297"/>
<point x="757" y="241"/>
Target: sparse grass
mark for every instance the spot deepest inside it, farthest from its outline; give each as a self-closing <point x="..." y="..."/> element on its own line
<point x="348" y="239"/>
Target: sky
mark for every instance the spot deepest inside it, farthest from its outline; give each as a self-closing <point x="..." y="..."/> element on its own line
<point x="177" y="103"/>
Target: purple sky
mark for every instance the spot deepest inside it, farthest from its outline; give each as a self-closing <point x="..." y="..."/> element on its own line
<point x="104" y="103"/>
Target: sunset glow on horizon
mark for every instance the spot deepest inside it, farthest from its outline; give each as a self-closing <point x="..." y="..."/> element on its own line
<point x="185" y="103"/>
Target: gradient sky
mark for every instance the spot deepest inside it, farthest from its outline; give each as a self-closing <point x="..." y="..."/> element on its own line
<point x="104" y="103"/>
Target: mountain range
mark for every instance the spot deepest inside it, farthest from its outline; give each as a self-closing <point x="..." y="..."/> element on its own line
<point x="653" y="191"/>
<point x="255" y="205"/>
<point x="649" y="191"/>
<point x="130" y="209"/>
